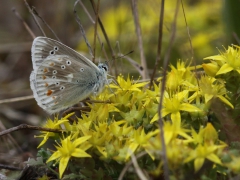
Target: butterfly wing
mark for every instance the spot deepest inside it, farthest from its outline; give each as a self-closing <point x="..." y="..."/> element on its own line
<point x="44" y="47"/>
<point x="61" y="76"/>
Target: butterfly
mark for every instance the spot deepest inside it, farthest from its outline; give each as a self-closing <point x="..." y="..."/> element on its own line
<point x="62" y="77"/>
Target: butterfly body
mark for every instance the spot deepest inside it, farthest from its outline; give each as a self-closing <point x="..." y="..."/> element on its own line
<point x="62" y="77"/>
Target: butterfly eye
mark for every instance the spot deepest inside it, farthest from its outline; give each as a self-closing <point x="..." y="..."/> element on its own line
<point x="81" y="69"/>
<point x="68" y="62"/>
<point x="52" y="52"/>
<point x="105" y="68"/>
<point x="56" y="48"/>
<point x="63" y="67"/>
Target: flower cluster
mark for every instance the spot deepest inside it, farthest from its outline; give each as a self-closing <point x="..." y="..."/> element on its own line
<point x="126" y="121"/>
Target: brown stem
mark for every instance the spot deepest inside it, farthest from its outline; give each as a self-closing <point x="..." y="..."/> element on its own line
<point x="31" y="11"/>
<point x="160" y="28"/>
<point x="24" y="23"/>
<point x="163" y="85"/>
<point x="105" y="36"/>
<point x="140" y="41"/>
<point x="26" y="126"/>
<point x="81" y="28"/>
<point x="36" y="13"/>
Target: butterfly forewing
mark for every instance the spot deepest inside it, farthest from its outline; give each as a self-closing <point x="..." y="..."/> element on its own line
<point x="43" y="48"/>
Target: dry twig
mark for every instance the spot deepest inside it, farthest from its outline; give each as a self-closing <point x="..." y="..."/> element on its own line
<point x="95" y="30"/>
<point x="24" y="23"/>
<point x="31" y="11"/>
<point x="160" y="29"/>
<point x="3" y="166"/>
<point x="190" y="42"/>
<point x="160" y="121"/>
<point x="105" y="36"/>
<point x="139" y="36"/>
<point x="17" y="99"/>
<point x="126" y="167"/>
<point x="26" y="126"/>
<point x="133" y="63"/>
<point x="91" y="19"/>
<point x="81" y="28"/>
<point x="36" y="13"/>
<point x="137" y="168"/>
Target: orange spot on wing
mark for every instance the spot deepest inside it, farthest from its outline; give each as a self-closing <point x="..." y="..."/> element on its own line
<point x="52" y="64"/>
<point x="44" y="77"/>
<point x="46" y="84"/>
<point x="45" y="70"/>
<point x="49" y="92"/>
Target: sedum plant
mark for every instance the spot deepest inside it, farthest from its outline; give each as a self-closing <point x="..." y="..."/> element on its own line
<point x="201" y="132"/>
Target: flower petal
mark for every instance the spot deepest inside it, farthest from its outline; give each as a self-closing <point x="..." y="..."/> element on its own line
<point x="176" y="118"/>
<point x="198" y="163"/>
<point x="81" y="140"/>
<point x="216" y="57"/>
<point x="208" y="97"/>
<point x="224" y="69"/>
<point x="223" y="99"/>
<point x="189" y="108"/>
<point x="80" y="153"/>
<point x="54" y="156"/>
<point x="214" y="158"/>
<point x="62" y="165"/>
<point x="155" y="118"/>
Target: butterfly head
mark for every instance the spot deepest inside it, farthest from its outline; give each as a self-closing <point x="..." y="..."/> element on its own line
<point x="103" y="66"/>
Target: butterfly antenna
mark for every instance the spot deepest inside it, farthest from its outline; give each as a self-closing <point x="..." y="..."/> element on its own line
<point x="120" y="56"/>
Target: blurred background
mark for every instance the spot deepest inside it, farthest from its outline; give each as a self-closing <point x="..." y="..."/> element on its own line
<point x="212" y="23"/>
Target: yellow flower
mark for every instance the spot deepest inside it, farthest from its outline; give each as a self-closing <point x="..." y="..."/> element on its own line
<point x="102" y="110"/>
<point x="211" y="88"/>
<point x="211" y="69"/>
<point x="230" y="60"/>
<point x="127" y="85"/>
<point x="173" y="130"/>
<point x="120" y="131"/>
<point x="210" y="134"/>
<point x="99" y="137"/>
<point x="139" y="139"/>
<point x="201" y="153"/>
<point x="174" y="105"/>
<point x="174" y="79"/>
<point x="177" y="150"/>
<point x="52" y="124"/>
<point x="133" y="116"/>
<point x="68" y="149"/>
<point x="197" y="138"/>
<point x="234" y="164"/>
